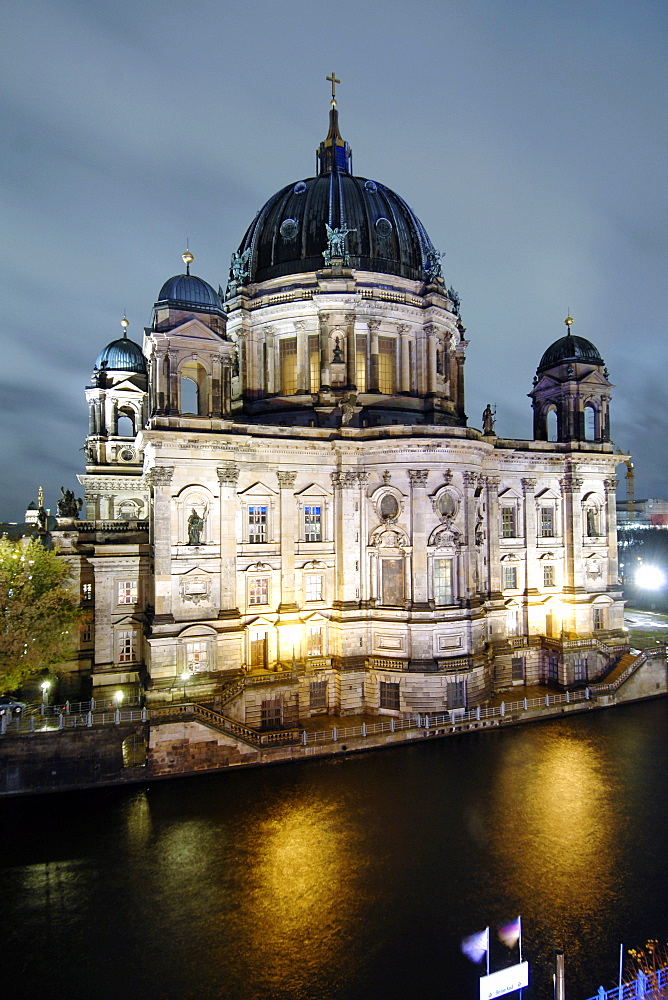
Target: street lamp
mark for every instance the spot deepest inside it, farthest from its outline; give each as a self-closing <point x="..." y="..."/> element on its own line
<point x="118" y="698"/>
<point x="185" y="677"/>
<point x="45" y="685"/>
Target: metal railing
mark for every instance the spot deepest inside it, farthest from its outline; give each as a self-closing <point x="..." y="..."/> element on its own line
<point x="646" y="984"/>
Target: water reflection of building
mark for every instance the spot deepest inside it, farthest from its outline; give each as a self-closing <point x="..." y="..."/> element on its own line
<point x="281" y="484"/>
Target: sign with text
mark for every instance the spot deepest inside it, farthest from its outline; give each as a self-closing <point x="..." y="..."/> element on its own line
<point x="505" y="981"/>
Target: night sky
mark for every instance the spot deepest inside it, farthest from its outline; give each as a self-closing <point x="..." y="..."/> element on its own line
<point x="529" y="138"/>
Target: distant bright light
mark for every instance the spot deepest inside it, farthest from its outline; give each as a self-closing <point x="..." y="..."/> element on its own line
<point x="45" y="685"/>
<point x="650" y="577"/>
<point x="185" y="676"/>
<point x="118" y="697"/>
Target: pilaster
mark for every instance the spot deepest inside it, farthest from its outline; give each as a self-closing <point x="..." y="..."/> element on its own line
<point x="160" y="479"/>
<point x="228" y="477"/>
<point x="418" y="481"/>
<point x="286" y="485"/>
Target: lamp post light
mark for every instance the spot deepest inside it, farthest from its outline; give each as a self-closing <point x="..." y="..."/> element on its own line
<point x="45" y="685"/>
<point x="185" y="677"/>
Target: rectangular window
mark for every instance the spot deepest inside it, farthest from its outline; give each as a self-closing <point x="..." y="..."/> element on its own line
<point x="510" y="577"/>
<point x="258" y="649"/>
<point x="443" y="582"/>
<point x="508" y="522"/>
<point x="313" y="524"/>
<point x="457" y="694"/>
<point x="257" y="524"/>
<point x="392" y="582"/>
<point x="126" y="646"/>
<point x="196" y="656"/>
<point x="258" y="590"/>
<point x="581" y="671"/>
<point x="272" y="714"/>
<point x="512" y="621"/>
<point x="318" y="694"/>
<point x="547" y="522"/>
<point x="387" y="364"/>
<point x="314" y="364"/>
<point x="313" y="587"/>
<point x="87" y="632"/>
<point x="553" y="668"/>
<point x="314" y="642"/>
<point x="288" y="362"/>
<point x="599" y="618"/>
<point x="360" y="363"/>
<point x="549" y="576"/>
<point x="389" y="695"/>
<point x="517" y="668"/>
<point x="86" y="591"/>
<point x="127" y="592"/>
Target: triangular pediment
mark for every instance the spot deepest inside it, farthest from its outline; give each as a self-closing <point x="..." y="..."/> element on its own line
<point x="127" y="388"/>
<point x="193" y="329"/>
<point x="195" y="571"/>
<point x="547" y="494"/>
<point x="313" y="490"/>
<point x="258" y="490"/>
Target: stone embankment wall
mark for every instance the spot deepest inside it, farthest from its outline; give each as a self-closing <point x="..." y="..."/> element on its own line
<point x="85" y="758"/>
<point x="59" y="760"/>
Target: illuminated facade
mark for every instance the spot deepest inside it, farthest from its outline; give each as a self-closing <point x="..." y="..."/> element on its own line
<point x="286" y="511"/>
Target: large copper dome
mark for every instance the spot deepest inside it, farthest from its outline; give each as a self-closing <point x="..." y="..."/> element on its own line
<point x="290" y="233"/>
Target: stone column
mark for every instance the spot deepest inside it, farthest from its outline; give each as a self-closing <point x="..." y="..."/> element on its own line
<point x="173" y="392"/>
<point x="228" y="476"/>
<point x="216" y="395"/>
<point x="303" y="370"/>
<point x="469" y="582"/>
<point x="420" y="596"/>
<point x="404" y="331"/>
<point x="160" y="478"/>
<point x="493" y="551"/>
<point x="374" y="325"/>
<point x="324" y="350"/>
<point x="351" y="353"/>
<point x="91" y="418"/>
<point x="611" y="525"/>
<point x="459" y="381"/>
<point x="286" y="485"/>
<point x="432" y="345"/>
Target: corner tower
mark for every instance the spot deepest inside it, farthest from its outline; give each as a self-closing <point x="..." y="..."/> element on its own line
<point x="572" y="392"/>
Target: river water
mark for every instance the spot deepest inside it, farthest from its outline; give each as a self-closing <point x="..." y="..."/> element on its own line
<point x="348" y="879"/>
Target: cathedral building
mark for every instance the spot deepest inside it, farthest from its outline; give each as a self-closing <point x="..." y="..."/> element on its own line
<point x="286" y="511"/>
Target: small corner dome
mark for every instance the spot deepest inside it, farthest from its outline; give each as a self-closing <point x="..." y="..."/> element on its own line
<point x="570" y="349"/>
<point x="122" y="355"/>
<point x="190" y="293"/>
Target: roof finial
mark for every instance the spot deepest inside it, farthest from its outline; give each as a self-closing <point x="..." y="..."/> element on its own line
<point x="333" y="80"/>
<point x="125" y="323"/>
<point x="569" y="323"/>
<point x="187" y="258"/>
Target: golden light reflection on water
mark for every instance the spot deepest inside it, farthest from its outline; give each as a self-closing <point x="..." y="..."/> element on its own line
<point x="305" y="888"/>
<point x="554" y="822"/>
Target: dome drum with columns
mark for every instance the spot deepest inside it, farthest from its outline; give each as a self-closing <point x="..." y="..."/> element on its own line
<point x="298" y="503"/>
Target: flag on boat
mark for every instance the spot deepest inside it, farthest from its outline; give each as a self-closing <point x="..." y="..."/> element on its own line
<point x="476" y="946"/>
<point x="509" y="934"/>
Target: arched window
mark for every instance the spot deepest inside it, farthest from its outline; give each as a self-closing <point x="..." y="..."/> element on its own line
<point x="189" y="396"/>
<point x="552" y="424"/>
<point x="126" y="424"/>
<point x="194" y="388"/>
<point x="590" y="422"/>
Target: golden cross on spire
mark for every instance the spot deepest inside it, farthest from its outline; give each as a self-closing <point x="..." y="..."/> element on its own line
<point x="332" y="79"/>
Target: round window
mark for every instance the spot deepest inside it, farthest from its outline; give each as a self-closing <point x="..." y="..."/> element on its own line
<point x="383" y="226"/>
<point x="389" y="506"/>
<point x="289" y="229"/>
